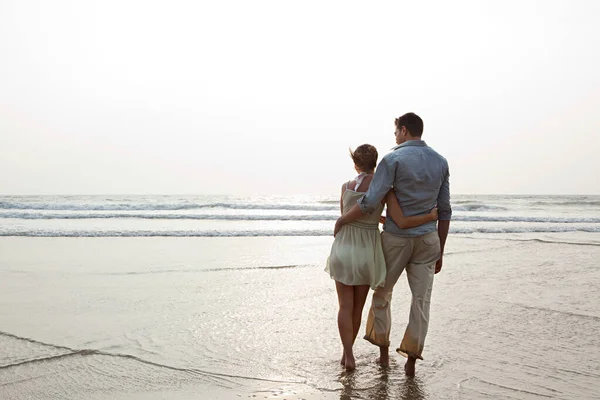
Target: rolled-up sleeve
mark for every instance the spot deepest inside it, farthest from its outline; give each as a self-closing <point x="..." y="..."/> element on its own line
<point x="382" y="182"/>
<point x="443" y="200"/>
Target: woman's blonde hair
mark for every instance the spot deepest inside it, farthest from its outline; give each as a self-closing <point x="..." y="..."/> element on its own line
<point x="365" y="157"/>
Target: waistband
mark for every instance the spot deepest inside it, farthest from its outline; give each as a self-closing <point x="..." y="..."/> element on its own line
<point x="363" y="225"/>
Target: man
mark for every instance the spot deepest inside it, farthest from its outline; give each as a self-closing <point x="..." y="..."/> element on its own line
<point x="419" y="177"/>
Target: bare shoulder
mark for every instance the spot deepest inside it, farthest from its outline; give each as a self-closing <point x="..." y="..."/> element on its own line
<point x="344" y="186"/>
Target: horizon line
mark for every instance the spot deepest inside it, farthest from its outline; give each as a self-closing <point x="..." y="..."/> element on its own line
<point x="275" y="194"/>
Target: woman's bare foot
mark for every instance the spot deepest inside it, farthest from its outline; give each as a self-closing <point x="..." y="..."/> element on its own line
<point x="409" y="367"/>
<point x="350" y="364"/>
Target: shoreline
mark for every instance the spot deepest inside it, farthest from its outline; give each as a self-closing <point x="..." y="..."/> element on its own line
<point x="149" y="318"/>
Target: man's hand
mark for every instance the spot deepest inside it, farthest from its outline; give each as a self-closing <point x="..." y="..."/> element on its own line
<point x="443" y="228"/>
<point x="438" y="264"/>
<point x="352" y="215"/>
<point x="338" y="226"/>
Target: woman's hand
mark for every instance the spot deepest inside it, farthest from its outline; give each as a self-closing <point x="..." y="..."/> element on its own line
<point x="434" y="214"/>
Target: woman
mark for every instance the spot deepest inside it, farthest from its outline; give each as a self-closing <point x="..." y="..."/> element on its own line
<point x="356" y="261"/>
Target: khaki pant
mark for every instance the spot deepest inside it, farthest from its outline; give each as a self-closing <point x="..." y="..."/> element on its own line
<point x="418" y="256"/>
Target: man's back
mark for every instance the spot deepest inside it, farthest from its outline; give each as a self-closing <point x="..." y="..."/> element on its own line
<point x="420" y="183"/>
<point x="420" y="179"/>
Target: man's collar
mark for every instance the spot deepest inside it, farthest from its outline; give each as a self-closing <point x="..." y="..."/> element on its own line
<point x="419" y="143"/>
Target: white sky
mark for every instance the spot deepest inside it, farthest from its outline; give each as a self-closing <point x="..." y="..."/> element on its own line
<point x="251" y="97"/>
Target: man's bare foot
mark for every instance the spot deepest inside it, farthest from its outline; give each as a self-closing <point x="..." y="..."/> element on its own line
<point x="384" y="357"/>
<point x="350" y="364"/>
<point x="384" y="363"/>
<point x="409" y="367"/>
<point x="343" y="360"/>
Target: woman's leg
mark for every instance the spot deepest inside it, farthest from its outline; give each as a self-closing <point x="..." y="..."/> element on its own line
<point x="360" y="297"/>
<point x="346" y="302"/>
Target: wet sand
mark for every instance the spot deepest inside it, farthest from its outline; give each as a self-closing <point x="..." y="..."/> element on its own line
<point x="221" y="318"/>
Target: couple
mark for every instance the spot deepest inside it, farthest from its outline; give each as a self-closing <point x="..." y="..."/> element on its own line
<point x="412" y="180"/>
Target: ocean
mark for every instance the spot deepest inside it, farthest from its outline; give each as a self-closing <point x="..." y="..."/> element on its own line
<point x="222" y="297"/>
<point x="208" y="216"/>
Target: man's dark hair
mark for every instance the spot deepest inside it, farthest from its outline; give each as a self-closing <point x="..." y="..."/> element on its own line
<point x="412" y="122"/>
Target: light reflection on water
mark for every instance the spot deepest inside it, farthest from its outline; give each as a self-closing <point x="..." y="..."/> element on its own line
<point x="515" y="319"/>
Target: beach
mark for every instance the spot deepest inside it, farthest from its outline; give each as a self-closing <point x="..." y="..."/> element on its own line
<point x="513" y="315"/>
<point x="171" y="175"/>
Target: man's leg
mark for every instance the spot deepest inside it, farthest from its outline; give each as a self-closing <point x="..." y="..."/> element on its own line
<point x="397" y="252"/>
<point x="420" y="272"/>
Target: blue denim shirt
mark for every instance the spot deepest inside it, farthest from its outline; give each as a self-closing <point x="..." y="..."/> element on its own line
<point x="420" y="179"/>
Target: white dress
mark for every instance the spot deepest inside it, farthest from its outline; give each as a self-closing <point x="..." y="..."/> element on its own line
<point x="356" y="256"/>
